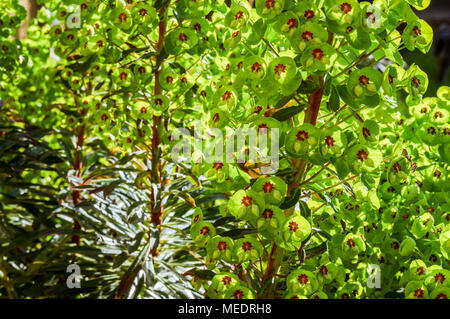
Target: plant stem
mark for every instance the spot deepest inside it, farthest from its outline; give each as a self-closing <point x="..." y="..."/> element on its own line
<point x="156" y="215"/>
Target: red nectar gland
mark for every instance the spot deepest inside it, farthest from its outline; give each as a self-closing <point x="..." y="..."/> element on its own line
<point x="246" y="246"/>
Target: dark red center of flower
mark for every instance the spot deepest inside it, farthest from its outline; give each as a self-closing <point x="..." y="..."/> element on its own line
<point x="183" y="37"/>
<point x="364" y="80"/>
<point x="394" y="245"/>
<point x="418" y="293"/>
<point x="307" y="36"/>
<point x="122" y="17"/>
<point x="346" y="7"/>
<point x="431" y="130"/>
<point x="238" y="294"/>
<point x="262" y="129"/>
<point x="104" y="117"/>
<point x="226" y="96"/>
<point x="158" y="102"/>
<point x="366" y="132"/>
<point x="280" y="68"/>
<point x="438" y="115"/>
<point x="291" y="23"/>
<point x="323" y="270"/>
<point x="268" y="213"/>
<point x="362" y="155"/>
<point x="370" y="16"/>
<point x="143" y="110"/>
<point x="123" y="76"/>
<point x="235" y="34"/>
<point x="247" y="201"/>
<point x="397" y="167"/>
<point x="439" y="277"/>
<point x="267" y="187"/>
<point x="217" y="165"/>
<point x="169" y="79"/>
<point x="99" y="43"/>
<point x="238" y="15"/>
<point x="329" y="141"/>
<point x="293" y="226"/>
<point x="204" y="230"/>
<point x="303" y="279"/>
<point x="226" y="280"/>
<point x="441" y="296"/>
<point x="222" y="245"/>
<point x="417" y="31"/>
<point x="258" y="109"/>
<point x="390" y="78"/>
<point x="270" y="4"/>
<point x="309" y="14"/>
<point x="302" y="136"/>
<point x="197" y="27"/>
<point x="420" y="271"/>
<point x="196" y="218"/>
<point x="216" y="117"/>
<point x="256" y="67"/>
<point x="143" y="12"/>
<point x="351" y="243"/>
<point x="246" y="246"/>
<point x="416" y="81"/>
<point x="318" y="54"/>
<point x="142" y="70"/>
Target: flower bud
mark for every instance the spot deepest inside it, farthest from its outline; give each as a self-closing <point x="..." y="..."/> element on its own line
<point x="371" y="88"/>
<point x="358" y="90"/>
<point x="312" y="141"/>
<point x="302" y="45"/>
<point x="255" y="210"/>
<point x="348" y="19"/>
<point x="407" y="247"/>
<point x="276" y="195"/>
<point x="297" y="146"/>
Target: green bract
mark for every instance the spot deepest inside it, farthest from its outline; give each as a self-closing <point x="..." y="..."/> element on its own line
<point x="308" y="34"/>
<point x="364" y="82"/>
<point x="269" y="9"/>
<point x="342" y="14"/>
<point x="272" y="188"/>
<point x="201" y="232"/>
<point x="125" y="125"/>
<point x="363" y="158"/>
<point x="246" y="205"/>
<point x="294" y="230"/>
<point x="302" y="139"/>
<point x="302" y="281"/>
<point x="247" y="249"/>
<point x="282" y="69"/>
<point x="318" y="57"/>
<point x="223" y="283"/>
<point x="418" y="34"/>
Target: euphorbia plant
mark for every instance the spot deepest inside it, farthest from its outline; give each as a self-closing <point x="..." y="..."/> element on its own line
<point x="363" y="163"/>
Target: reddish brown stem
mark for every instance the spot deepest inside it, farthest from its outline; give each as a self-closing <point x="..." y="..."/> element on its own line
<point x="156" y="215"/>
<point x="78" y="166"/>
